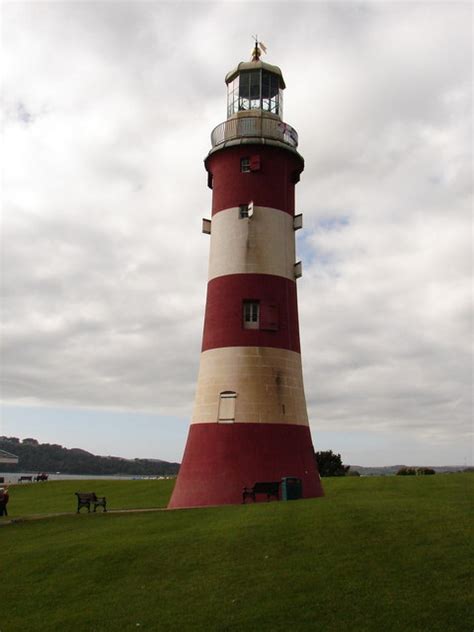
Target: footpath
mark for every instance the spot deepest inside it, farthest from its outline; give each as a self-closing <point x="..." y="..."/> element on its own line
<point x="19" y="519"/>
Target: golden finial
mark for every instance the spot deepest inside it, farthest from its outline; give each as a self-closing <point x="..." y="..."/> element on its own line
<point x="258" y="48"/>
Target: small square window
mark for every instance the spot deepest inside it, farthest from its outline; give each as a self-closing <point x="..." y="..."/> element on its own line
<point x="251" y="314"/>
<point x="243" y="211"/>
<point x="246" y="210"/>
<point x="245" y="165"/>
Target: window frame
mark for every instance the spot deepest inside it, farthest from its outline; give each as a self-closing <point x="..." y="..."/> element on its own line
<point x="245" y="164"/>
<point x="222" y="415"/>
<point x="244" y="211"/>
<point x="251" y="314"/>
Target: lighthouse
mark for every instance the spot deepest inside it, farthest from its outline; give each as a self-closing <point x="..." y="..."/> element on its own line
<point x="250" y="421"/>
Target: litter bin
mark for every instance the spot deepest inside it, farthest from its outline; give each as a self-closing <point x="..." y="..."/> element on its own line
<point x="291" y="488"/>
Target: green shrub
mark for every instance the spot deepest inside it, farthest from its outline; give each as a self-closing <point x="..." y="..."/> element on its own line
<point x="425" y="471"/>
<point x="330" y="464"/>
<point x="406" y="471"/>
<point x="353" y="473"/>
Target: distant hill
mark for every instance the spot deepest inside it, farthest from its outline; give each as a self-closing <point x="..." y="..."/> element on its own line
<point x="50" y="457"/>
<point x="389" y="470"/>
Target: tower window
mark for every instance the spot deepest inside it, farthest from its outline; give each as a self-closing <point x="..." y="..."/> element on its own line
<point x="227" y="406"/>
<point x="251" y="314"/>
<point x="246" y="210"/>
<point x="245" y="165"/>
<point x="243" y="211"/>
<point x="249" y="164"/>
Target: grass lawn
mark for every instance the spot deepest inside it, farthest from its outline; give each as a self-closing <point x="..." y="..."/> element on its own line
<point x="58" y="496"/>
<point x="389" y="554"/>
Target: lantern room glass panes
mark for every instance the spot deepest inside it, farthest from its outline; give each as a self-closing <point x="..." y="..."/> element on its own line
<point x="255" y="90"/>
<point x="233" y="97"/>
<point x="271" y="93"/>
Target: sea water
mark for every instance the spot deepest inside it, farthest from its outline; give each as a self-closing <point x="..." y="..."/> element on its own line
<point x="11" y="478"/>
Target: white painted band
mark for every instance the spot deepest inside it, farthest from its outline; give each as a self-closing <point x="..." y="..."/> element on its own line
<point x="261" y="244"/>
<point x="268" y="384"/>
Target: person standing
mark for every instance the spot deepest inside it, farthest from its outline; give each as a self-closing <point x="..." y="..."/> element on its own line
<point x="4" y="498"/>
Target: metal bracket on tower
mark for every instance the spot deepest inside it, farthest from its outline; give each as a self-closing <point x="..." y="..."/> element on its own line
<point x="298" y="221"/>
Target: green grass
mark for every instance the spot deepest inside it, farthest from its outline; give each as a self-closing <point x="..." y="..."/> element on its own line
<point x="58" y="496"/>
<point x="375" y="555"/>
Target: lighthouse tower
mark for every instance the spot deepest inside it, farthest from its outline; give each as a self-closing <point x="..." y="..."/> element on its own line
<point x="250" y="422"/>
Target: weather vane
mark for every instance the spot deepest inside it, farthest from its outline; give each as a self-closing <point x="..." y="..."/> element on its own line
<point x="259" y="47"/>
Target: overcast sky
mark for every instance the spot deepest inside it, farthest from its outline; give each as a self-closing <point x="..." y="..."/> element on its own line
<point x="107" y="112"/>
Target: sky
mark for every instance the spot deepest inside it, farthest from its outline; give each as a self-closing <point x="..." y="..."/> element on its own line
<point x="107" y="111"/>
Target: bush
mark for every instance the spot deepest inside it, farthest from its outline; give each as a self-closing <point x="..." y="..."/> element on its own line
<point x="330" y="464"/>
<point x="406" y="471"/>
<point x="425" y="471"/>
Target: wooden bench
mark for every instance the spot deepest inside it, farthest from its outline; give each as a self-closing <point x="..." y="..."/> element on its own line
<point x="85" y="499"/>
<point x="25" y="478"/>
<point x="268" y="488"/>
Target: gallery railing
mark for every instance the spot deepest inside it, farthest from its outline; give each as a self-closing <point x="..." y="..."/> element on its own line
<point x="254" y="126"/>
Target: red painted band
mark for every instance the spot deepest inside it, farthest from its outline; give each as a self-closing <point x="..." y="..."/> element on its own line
<point x="221" y="459"/>
<point x="223" y="321"/>
<point x="272" y="185"/>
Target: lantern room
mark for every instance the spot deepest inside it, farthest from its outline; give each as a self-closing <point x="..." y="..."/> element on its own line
<point x="254" y="106"/>
<point x="255" y="85"/>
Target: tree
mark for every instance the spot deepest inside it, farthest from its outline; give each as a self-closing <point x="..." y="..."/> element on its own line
<point x="406" y="471"/>
<point x="425" y="471"/>
<point x="51" y="457"/>
<point x="330" y="464"/>
<point x="30" y="441"/>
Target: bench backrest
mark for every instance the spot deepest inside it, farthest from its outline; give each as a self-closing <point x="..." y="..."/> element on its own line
<point x="86" y="495"/>
<point x="265" y="488"/>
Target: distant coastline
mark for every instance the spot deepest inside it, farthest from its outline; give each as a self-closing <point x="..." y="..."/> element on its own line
<point x="391" y="470"/>
<point x="54" y="459"/>
<point x="73" y="463"/>
<point x="12" y="478"/>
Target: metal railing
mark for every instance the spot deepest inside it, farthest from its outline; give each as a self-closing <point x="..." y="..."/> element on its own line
<point x="257" y="127"/>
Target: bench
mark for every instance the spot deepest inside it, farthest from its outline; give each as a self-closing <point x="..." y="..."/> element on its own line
<point x="85" y="499"/>
<point x="268" y="488"/>
<point x="25" y="478"/>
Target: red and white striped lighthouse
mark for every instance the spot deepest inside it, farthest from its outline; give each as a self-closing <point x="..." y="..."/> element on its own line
<point x="250" y="422"/>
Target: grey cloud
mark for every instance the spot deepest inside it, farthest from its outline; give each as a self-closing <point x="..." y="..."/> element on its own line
<point x="104" y="267"/>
